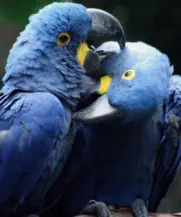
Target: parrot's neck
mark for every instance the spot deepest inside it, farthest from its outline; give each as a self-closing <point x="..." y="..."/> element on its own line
<point x="26" y="84"/>
<point x="121" y="132"/>
<point x="65" y="87"/>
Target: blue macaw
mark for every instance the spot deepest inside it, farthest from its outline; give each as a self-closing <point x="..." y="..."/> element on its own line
<point x="43" y="83"/>
<point x="129" y="147"/>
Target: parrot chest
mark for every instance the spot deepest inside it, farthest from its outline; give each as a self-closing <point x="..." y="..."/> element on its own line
<point x="124" y="162"/>
<point x="116" y="166"/>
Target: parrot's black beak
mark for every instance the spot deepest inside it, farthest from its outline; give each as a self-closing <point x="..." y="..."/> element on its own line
<point x="92" y="62"/>
<point x="105" y="27"/>
<point x="99" y="110"/>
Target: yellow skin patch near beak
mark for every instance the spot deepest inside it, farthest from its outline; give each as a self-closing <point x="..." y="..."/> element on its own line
<point x="82" y="52"/>
<point x="105" y="82"/>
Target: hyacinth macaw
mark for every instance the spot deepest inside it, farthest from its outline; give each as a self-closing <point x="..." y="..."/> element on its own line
<point x="129" y="147"/>
<point x="43" y="83"/>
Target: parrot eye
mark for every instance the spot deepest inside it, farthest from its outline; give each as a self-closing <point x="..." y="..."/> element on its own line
<point x="63" y="39"/>
<point x="129" y="74"/>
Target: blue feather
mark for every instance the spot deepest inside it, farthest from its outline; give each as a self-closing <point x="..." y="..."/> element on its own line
<point x="123" y="159"/>
<point x="27" y="144"/>
<point x="36" y="63"/>
<point x="169" y="158"/>
<point x="42" y="85"/>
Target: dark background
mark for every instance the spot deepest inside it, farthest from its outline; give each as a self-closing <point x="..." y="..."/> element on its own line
<point x="157" y="22"/>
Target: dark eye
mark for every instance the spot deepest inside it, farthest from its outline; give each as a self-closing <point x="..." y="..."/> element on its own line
<point x="129" y="74"/>
<point x="63" y="39"/>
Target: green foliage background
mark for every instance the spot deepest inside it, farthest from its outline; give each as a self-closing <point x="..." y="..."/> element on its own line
<point x="17" y="12"/>
<point x="157" y="22"/>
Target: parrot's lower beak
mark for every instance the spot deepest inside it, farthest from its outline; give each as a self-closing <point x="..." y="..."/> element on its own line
<point x="91" y="59"/>
<point x="99" y="110"/>
<point x="94" y="59"/>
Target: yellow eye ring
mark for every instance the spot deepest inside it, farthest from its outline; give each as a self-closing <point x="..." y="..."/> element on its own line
<point x="128" y="74"/>
<point x="63" y="39"/>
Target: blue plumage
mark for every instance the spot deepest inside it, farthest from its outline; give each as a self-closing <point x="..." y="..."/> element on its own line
<point x="36" y="63"/>
<point x="169" y="158"/>
<point x="28" y="141"/>
<point x="132" y="156"/>
<point x="42" y="85"/>
<point x="151" y="67"/>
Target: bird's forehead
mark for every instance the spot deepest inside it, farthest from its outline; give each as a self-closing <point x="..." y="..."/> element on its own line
<point x="63" y="17"/>
<point x="138" y="56"/>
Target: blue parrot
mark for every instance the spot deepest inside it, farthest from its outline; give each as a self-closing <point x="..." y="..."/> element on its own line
<point x="43" y="83"/>
<point x="129" y="146"/>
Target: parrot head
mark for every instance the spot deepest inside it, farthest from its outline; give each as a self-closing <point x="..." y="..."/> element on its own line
<point x="133" y="84"/>
<point x="52" y="55"/>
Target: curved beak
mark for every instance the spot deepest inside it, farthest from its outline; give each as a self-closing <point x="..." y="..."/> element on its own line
<point x="105" y="27"/>
<point x="88" y="58"/>
<point x="99" y="110"/>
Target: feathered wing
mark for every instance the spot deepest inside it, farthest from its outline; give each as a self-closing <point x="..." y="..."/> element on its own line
<point x="72" y="167"/>
<point x="32" y="128"/>
<point x="169" y="156"/>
